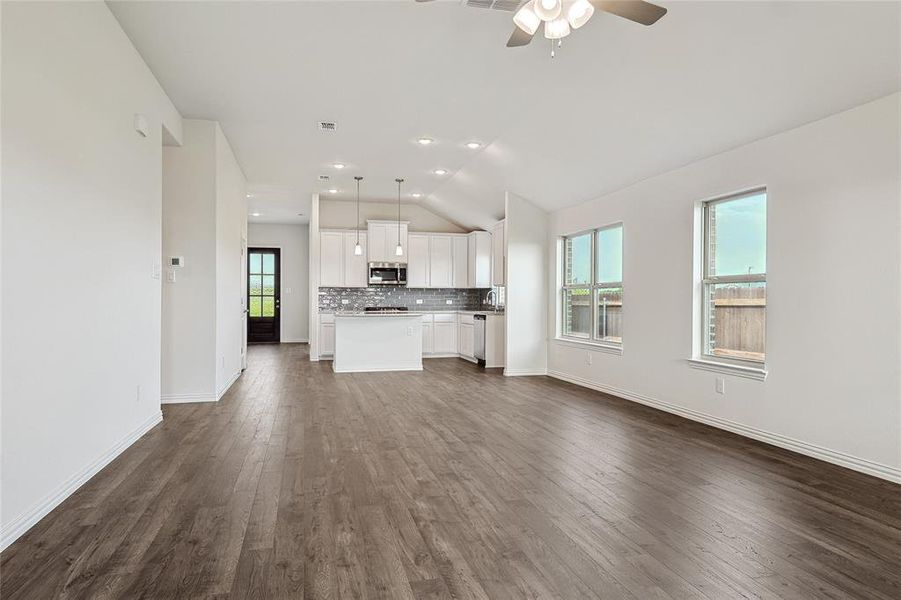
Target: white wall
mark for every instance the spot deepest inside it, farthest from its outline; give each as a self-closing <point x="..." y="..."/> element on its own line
<point x="81" y="209"/>
<point x="526" y="301"/>
<point x="339" y="214"/>
<point x="832" y="287"/>
<point x="294" y="242"/>
<point x="231" y="281"/>
<point x="189" y="231"/>
<point x="204" y="221"/>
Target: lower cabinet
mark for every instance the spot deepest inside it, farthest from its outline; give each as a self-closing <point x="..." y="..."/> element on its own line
<point x="326" y="335"/>
<point x="466" y="344"/>
<point x="427" y="334"/>
<point x="444" y="334"/>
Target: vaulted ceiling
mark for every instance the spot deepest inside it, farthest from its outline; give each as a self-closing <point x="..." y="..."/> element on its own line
<point x="618" y="104"/>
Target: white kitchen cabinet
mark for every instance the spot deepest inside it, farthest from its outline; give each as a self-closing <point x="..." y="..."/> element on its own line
<point x="465" y="335"/>
<point x="427" y="335"/>
<point x="383" y="237"/>
<point x="441" y="261"/>
<point x="444" y="334"/>
<point x="479" y="260"/>
<point x="326" y="335"/>
<point x="356" y="269"/>
<point x="499" y="253"/>
<point x="331" y="262"/>
<point x="461" y="261"/>
<point x="466" y="340"/>
<point x="418" y="261"/>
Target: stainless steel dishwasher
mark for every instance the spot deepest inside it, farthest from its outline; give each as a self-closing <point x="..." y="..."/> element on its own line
<point x="478" y="338"/>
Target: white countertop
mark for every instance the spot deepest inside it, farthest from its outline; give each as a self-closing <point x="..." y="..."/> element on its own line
<point x="360" y="313"/>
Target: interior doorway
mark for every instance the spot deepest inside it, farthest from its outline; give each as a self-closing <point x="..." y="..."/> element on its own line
<point x="263" y="295"/>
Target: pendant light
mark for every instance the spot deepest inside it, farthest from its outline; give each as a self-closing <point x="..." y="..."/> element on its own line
<point x="399" y="250"/>
<point x="358" y="249"/>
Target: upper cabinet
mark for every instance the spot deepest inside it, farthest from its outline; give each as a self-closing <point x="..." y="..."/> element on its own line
<point x="461" y="261"/>
<point x="435" y="260"/>
<point x="479" y="260"/>
<point x="441" y="261"/>
<point x="418" y="261"/>
<point x="338" y="265"/>
<point x="383" y="239"/>
<point x="499" y="253"/>
<point x="331" y="258"/>
<point x="356" y="269"/>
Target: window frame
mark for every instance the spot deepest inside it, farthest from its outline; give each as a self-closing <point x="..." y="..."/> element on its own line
<point x="708" y="280"/>
<point x="593" y="287"/>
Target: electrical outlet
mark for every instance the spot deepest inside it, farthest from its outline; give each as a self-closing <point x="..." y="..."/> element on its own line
<point x="170" y="276"/>
<point x="720" y="385"/>
<point x="419" y="301"/>
<point x="588" y="358"/>
<point x="156" y="271"/>
<point x="409" y="331"/>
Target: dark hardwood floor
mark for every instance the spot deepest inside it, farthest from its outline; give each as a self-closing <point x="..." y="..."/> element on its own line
<point x="454" y="483"/>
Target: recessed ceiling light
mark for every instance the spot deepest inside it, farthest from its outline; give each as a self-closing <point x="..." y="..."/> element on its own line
<point x="333" y="191"/>
<point x="416" y="195"/>
<point x="440" y="171"/>
<point x="254" y="214"/>
<point x="425" y="141"/>
<point x="473" y="145"/>
<point x="249" y="195"/>
<point x="339" y="165"/>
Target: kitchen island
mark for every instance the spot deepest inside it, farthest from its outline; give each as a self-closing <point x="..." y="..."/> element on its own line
<point x="377" y="341"/>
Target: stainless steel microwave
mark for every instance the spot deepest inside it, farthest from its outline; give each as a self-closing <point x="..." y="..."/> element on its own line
<point x="387" y="274"/>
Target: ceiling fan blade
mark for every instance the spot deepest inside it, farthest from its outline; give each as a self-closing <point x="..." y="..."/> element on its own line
<point x="634" y="10"/>
<point x="518" y="38"/>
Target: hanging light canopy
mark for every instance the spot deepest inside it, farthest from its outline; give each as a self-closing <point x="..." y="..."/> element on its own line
<point x="399" y="250"/>
<point x="358" y="249"/>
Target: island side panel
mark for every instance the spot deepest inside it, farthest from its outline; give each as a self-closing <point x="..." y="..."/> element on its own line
<point x="377" y="343"/>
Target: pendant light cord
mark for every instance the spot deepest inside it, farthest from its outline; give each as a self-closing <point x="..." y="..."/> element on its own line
<point x="399" y="181"/>
<point x="359" y="179"/>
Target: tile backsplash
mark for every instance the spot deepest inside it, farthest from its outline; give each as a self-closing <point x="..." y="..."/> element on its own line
<point x="432" y="299"/>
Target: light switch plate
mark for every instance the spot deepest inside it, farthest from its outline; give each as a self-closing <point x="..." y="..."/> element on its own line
<point x="720" y="385"/>
<point x="419" y="301"/>
<point x="448" y="301"/>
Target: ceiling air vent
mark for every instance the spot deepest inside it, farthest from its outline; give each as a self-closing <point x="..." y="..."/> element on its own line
<point x="329" y="126"/>
<point x="504" y="5"/>
<point x="323" y="178"/>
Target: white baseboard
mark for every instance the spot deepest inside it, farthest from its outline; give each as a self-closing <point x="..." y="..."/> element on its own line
<point x="18" y="526"/>
<point x="228" y="384"/>
<point x="825" y="454"/>
<point x="524" y="372"/>
<point x="186" y="398"/>
<point x="297" y="341"/>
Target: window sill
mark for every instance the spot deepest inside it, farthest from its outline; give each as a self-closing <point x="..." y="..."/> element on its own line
<point x="595" y="346"/>
<point x="756" y="373"/>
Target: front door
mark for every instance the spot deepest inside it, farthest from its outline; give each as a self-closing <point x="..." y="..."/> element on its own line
<point x="263" y="299"/>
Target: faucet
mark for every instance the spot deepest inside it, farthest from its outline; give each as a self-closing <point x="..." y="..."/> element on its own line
<point x="491" y="299"/>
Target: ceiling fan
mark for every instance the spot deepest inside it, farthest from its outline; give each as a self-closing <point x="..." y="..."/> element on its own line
<point x="560" y="17"/>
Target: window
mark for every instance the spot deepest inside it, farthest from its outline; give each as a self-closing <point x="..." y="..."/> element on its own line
<point x="592" y="297"/>
<point x="734" y="278"/>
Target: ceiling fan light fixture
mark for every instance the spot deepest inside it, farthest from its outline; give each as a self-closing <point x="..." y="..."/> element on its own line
<point x="556" y="29"/>
<point x="579" y="12"/>
<point x="548" y="10"/>
<point x="526" y="18"/>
